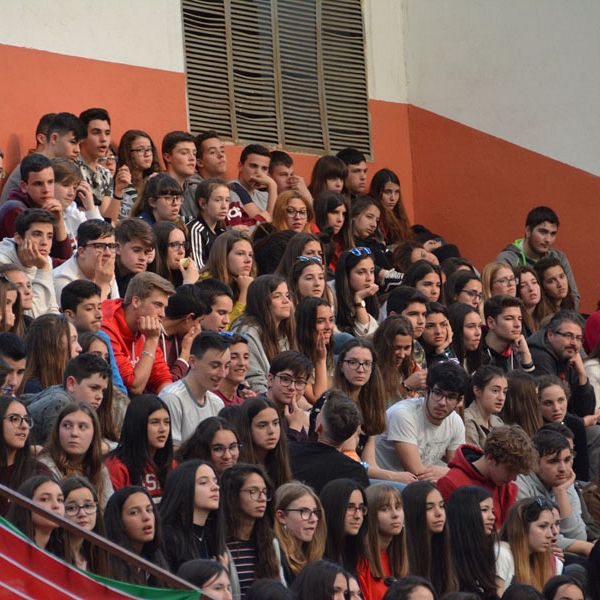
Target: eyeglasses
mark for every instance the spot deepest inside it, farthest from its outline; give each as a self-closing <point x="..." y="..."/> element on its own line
<point x="144" y="151"/>
<point x="102" y="246"/>
<point x="314" y="259"/>
<point x="438" y="395"/>
<point x="306" y="513"/>
<point x="286" y="381"/>
<point x="172" y="200"/>
<point x="220" y="450"/>
<point x="256" y="494"/>
<point x="356" y="508"/>
<point x="505" y="281"/>
<point x="178" y="245"/>
<point x="360" y="251"/>
<point x="367" y="365"/>
<point x="106" y="159"/>
<point x="18" y="420"/>
<point x="473" y="294"/>
<point x="89" y="508"/>
<point x="293" y="212"/>
<point x="569" y="336"/>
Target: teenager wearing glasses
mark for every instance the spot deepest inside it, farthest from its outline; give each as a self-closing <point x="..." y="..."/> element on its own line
<point x="93" y="261"/>
<point x="498" y="279"/>
<point x="299" y="527"/>
<point x="215" y="441"/>
<point x="288" y="381"/>
<point x="345" y="504"/>
<point x="423" y="433"/>
<point x="172" y="247"/>
<point x="16" y="459"/>
<point x="358" y="375"/>
<point x="356" y="292"/>
<point x="247" y="493"/>
<point x="161" y="200"/>
<point x="137" y="151"/>
<point x="291" y="212"/>
<point x="465" y="287"/>
<point x="82" y="508"/>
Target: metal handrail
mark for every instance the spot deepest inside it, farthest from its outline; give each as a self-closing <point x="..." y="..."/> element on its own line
<point x="165" y="576"/>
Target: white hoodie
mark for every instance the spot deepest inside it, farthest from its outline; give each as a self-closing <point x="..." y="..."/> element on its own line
<point x="44" y="298"/>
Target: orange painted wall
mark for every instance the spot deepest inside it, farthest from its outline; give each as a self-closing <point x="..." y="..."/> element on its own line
<point x="471" y="187"/>
<point x="147" y="99"/>
<point x="36" y="82"/>
<point x="476" y="190"/>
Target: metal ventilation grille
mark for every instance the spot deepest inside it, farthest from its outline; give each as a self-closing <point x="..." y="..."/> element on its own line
<point x="285" y="73"/>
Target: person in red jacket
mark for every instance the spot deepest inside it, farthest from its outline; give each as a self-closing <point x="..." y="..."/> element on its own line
<point x="133" y="326"/>
<point x="507" y="452"/>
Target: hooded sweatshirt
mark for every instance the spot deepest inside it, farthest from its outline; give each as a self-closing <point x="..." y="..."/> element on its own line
<point x="44" y="298"/>
<point x="128" y="347"/>
<point x="514" y="254"/>
<point x="462" y="472"/>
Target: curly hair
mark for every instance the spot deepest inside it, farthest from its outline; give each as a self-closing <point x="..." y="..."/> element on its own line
<point x="511" y="446"/>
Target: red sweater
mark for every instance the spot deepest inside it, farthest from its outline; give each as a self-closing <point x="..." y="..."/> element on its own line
<point x="371" y="587"/>
<point x="462" y="472"/>
<point x="128" y="347"/>
<point x="119" y="476"/>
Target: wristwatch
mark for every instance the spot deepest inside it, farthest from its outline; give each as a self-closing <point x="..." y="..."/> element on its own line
<point x="361" y="303"/>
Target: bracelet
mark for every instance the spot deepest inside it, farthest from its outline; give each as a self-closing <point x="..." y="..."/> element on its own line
<point x="117" y="197"/>
<point x="529" y="365"/>
<point x="406" y="387"/>
<point x="152" y="356"/>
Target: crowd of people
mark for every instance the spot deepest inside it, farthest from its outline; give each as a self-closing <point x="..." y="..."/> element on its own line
<point x="282" y="389"/>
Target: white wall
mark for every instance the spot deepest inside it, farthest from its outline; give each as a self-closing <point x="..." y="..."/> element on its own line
<point x="523" y="70"/>
<point x="384" y="40"/>
<point x="144" y="33"/>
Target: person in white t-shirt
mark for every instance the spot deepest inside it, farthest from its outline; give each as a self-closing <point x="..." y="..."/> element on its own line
<point x="192" y="399"/>
<point x="424" y="433"/>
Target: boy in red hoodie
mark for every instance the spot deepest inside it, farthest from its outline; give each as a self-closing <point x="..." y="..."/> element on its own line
<point x="508" y="452"/>
<point x="133" y="326"/>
